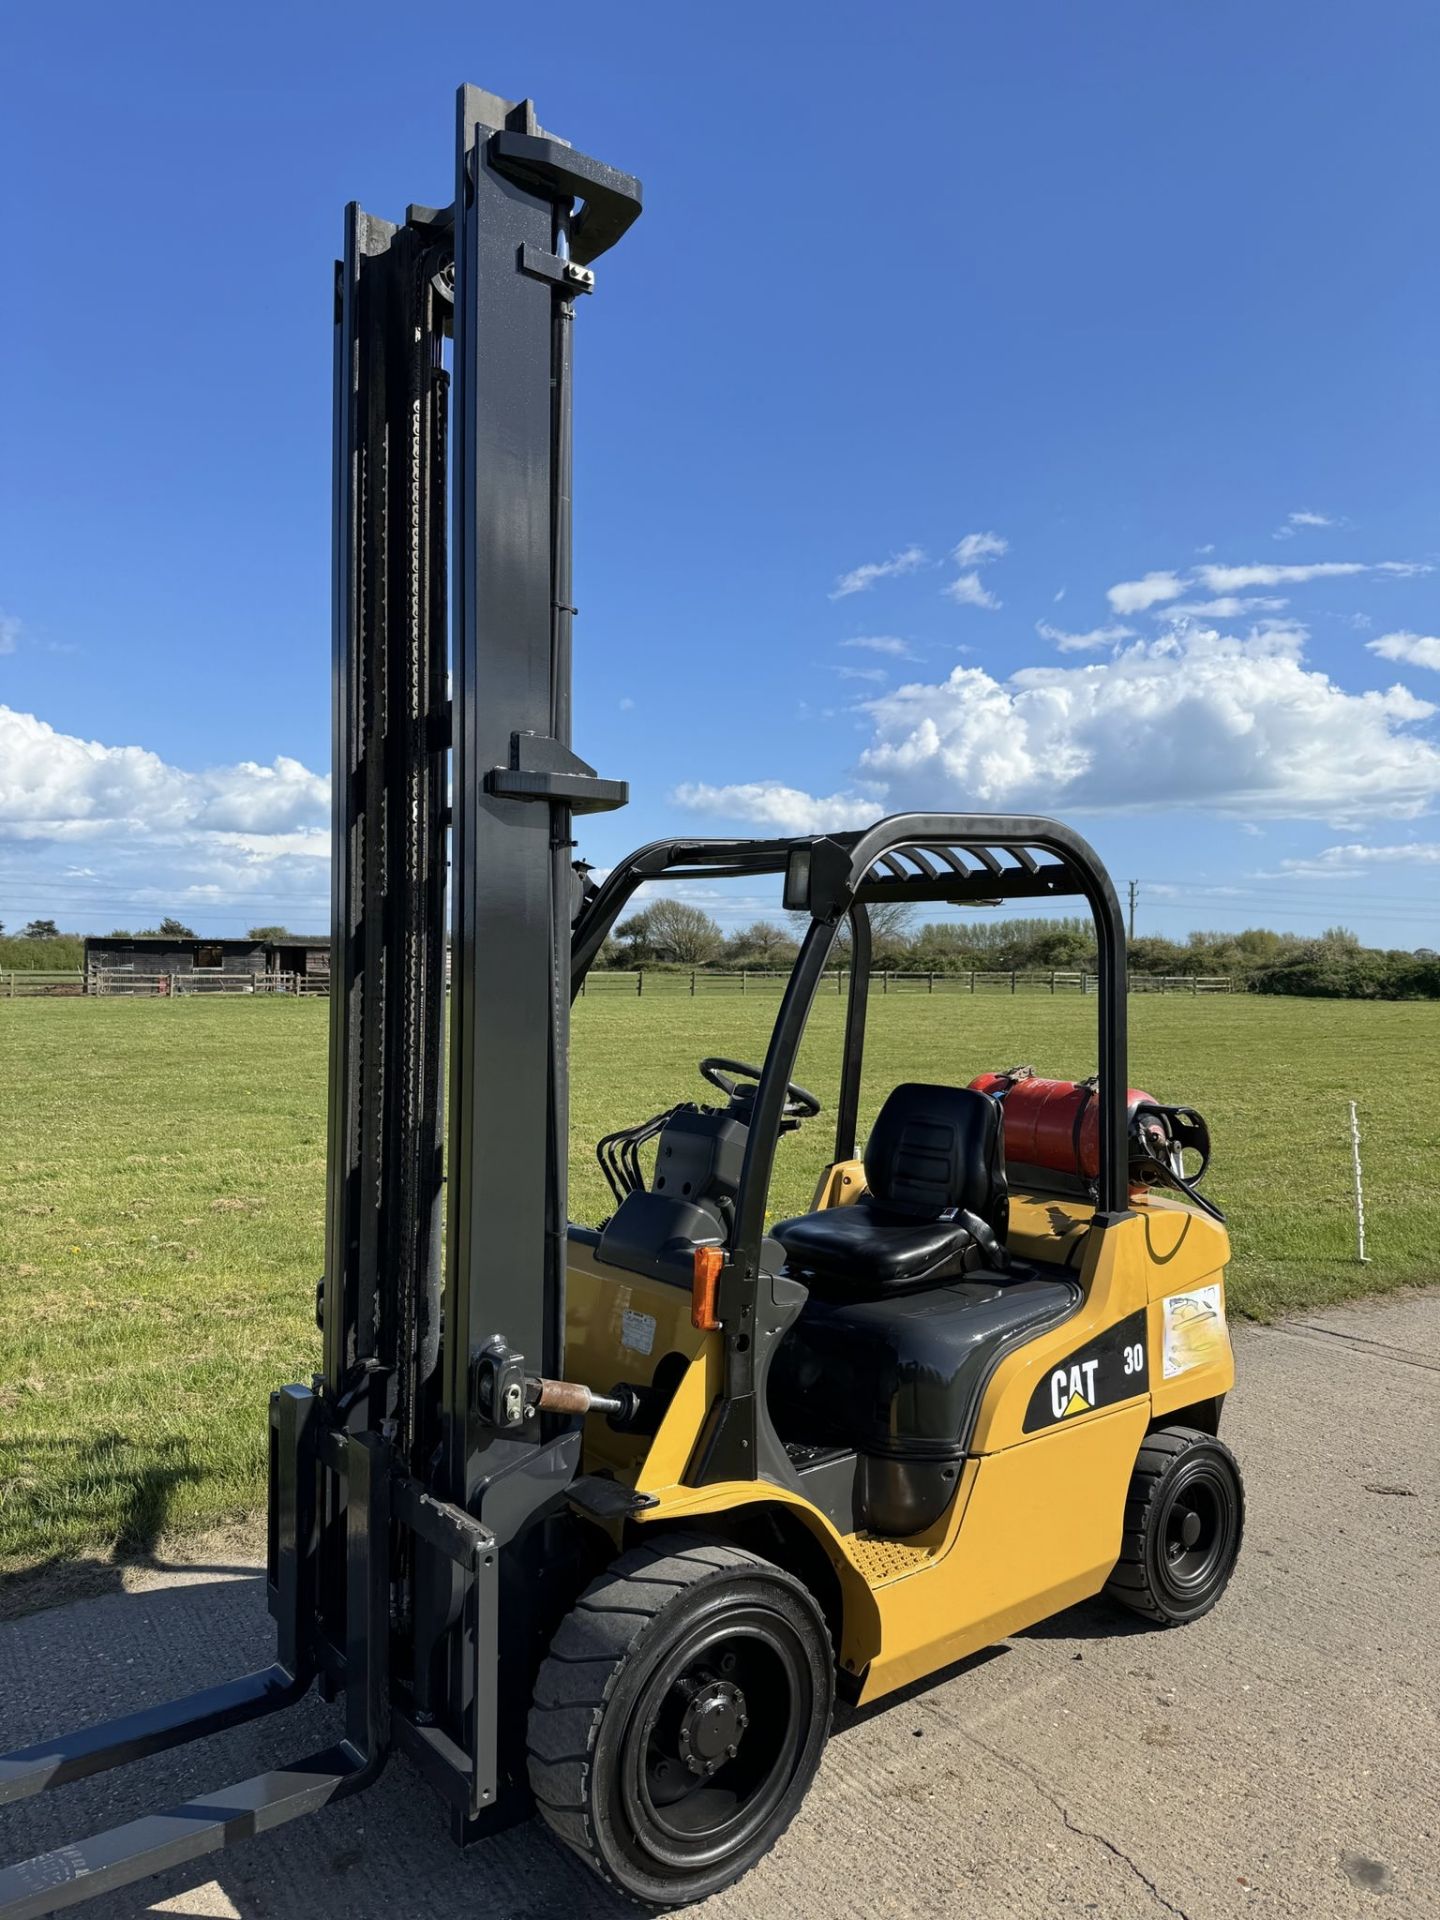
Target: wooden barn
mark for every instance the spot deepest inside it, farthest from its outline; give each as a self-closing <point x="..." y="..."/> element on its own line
<point x="162" y="963"/>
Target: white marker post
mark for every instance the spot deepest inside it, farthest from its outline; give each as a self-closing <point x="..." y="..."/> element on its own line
<point x="1359" y="1186"/>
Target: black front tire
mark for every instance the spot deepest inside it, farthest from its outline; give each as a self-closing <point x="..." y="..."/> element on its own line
<point x="1184" y="1521"/>
<point x="680" y="1716"/>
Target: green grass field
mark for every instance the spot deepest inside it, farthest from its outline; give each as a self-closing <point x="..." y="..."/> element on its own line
<point x="161" y="1197"/>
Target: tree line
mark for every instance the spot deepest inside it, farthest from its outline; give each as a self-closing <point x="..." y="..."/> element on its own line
<point x="168" y="929"/>
<point x="674" y="933"/>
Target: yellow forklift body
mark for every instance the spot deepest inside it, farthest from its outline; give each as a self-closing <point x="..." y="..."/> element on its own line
<point x="1036" y="1519"/>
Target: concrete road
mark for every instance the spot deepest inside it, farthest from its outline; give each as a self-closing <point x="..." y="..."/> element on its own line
<point x="1282" y="1757"/>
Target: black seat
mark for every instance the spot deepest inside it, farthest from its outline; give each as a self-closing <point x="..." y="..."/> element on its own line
<point x="937" y="1203"/>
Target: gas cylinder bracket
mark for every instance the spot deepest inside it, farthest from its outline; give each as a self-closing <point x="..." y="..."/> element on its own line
<point x="566" y="276"/>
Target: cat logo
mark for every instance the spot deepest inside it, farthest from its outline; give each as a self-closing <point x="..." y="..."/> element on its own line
<point x="1072" y="1388"/>
<point x="1111" y="1368"/>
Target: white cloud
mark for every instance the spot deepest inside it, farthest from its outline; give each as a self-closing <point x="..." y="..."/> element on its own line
<point x="1236" y="725"/>
<point x="882" y="643"/>
<point x="116" y="834"/>
<point x="1294" y="522"/>
<point x="967" y="590"/>
<point x="9" y="633"/>
<point x="55" y="786"/>
<point x="627" y="705"/>
<point x="1267" y="574"/>
<point x="1352" y="861"/>
<point x="1422" y="853"/>
<point x="1415" y="649"/>
<point x="1089" y="642"/>
<point x="1201" y="721"/>
<point x="1137" y="596"/>
<point x="1059" y="597"/>
<point x="876" y="675"/>
<point x="861" y="579"/>
<point x="769" y="803"/>
<point x="304" y="843"/>
<point x="976" y="548"/>
<point x="1228" y="606"/>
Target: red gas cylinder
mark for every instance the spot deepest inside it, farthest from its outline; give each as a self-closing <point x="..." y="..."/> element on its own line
<point x="1053" y="1124"/>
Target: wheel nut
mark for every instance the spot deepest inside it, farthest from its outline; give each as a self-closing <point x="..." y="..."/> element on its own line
<point x="732" y="1750"/>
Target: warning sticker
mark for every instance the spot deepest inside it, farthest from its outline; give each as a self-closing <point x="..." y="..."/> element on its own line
<point x="1194" y="1329"/>
<point x="637" y="1331"/>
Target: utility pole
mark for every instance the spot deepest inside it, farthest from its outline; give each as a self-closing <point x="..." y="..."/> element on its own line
<point x="1134" y="891"/>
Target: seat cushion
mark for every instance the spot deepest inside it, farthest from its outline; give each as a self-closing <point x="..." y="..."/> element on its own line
<point x="934" y="1147"/>
<point x="860" y="1250"/>
<point x="936" y="1206"/>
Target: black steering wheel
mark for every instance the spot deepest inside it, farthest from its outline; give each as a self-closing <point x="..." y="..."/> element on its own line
<point x="725" y="1076"/>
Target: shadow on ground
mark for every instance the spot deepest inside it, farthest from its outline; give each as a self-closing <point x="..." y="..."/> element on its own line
<point x="101" y="1470"/>
<point x="386" y="1852"/>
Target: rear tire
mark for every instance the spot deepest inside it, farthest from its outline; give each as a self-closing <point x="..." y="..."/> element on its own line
<point x="1184" y="1521"/>
<point x="680" y="1716"/>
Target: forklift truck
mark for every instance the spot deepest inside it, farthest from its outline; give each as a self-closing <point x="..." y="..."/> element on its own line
<point x="598" y="1521"/>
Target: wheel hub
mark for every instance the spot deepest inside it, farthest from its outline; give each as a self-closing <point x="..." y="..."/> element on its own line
<point x="712" y="1725"/>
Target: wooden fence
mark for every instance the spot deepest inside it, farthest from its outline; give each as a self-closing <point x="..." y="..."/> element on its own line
<point x="699" y="981"/>
<point x="110" y="982"/>
<point x="120" y="982"/>
<point x="34" y="983"/>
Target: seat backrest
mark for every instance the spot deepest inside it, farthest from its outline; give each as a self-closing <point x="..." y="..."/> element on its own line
<point x="938" y="1147"/>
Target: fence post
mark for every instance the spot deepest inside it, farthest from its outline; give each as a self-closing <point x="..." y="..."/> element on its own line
<point x="1012" y="979"/>
<point x="932" y="983"/>
<point x="744" y="976"/>
<point x="972" y="979"/>
<point x="639" y="982"/>
<point x="1052" y="979"/>
<point x="692" y="983"/>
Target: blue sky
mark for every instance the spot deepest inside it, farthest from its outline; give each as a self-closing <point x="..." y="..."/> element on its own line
<point x="1025" y="406"/>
